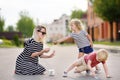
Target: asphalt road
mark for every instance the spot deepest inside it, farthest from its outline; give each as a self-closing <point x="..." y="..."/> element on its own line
<point x="63" y="57"/>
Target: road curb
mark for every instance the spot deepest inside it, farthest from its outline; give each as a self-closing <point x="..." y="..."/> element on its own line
<point x="111" y="50"/>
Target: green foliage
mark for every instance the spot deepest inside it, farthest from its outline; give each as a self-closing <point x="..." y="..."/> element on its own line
<point x="107" y="9"/>
<point x="2" y="22"/>
<point x="25" y="24"/>
<point x="6" y="43"/>
<point x="108" y="43"/>
<point x="77" y="14"/>
<point x="10" y="28"/>
<point x="16" y="40"/>
<point x="91" y="1"/>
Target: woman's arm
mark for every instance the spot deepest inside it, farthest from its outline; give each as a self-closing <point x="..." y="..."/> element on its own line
<point x="48" y="56"/>
<point x="40" y="53"/>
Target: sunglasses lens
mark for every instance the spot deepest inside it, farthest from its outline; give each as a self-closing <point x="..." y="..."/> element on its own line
<point x="38" y="30"/>
<point x="43" y="33"/>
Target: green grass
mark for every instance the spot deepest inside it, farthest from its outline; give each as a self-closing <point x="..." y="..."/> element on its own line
<point x="9" y="44"/>
<point x="117" y="43"/>
<point x="6" y="46"/>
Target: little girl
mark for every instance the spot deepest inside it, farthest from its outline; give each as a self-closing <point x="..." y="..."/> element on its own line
<point x="81" y="38"/>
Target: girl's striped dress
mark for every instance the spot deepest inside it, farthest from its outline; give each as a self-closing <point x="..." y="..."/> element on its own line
<point x="27" y="65"/>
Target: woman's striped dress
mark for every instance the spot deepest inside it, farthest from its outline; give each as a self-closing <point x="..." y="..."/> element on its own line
<point x="27" y="65"/>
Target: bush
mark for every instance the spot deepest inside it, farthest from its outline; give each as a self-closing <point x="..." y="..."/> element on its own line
<point x="16" y="40"/>
<point x="7" y="42"/>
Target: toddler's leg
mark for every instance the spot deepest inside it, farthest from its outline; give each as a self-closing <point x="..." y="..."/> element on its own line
<point x="73" y="65"/>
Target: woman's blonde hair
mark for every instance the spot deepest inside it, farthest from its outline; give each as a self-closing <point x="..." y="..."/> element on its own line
<point x="77" y="23"/>
<point x="102" y="54"/>
<point x="35" y="35"/>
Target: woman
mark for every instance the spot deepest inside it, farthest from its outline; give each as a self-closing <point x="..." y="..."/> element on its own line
<point x="27" y="61"/>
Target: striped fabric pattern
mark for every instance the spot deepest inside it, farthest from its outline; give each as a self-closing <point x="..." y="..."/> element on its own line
<point x="80" y="39"/>
<point x="27" y="65"/>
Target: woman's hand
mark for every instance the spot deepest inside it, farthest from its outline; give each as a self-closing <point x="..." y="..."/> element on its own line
<point x="108" y="76"/>
<point x="52" y="54"/>
<point x="55" y="42"/>
<point x="46" y="50"/>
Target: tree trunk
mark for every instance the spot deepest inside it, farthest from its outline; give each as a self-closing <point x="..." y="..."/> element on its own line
<point x="111" y="31"/>
<point x="117" y="30"/>
<point x="93" y="34"/>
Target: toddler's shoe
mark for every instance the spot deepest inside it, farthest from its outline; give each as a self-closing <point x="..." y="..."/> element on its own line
<point x="65" y="74"/>
<point x="87" y="72"/>
<point x="97" y="71"/>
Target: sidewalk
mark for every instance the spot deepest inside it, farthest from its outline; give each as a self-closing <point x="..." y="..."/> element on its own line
<point x="112" y="49"/>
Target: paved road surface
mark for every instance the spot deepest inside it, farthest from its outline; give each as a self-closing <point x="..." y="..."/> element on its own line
<point x="64" y="56"/>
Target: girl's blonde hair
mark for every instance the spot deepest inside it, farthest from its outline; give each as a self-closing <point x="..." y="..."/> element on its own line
<point x="102" y="54"/>
<point x="77" y="23"/>
<point x="35" y="35"/>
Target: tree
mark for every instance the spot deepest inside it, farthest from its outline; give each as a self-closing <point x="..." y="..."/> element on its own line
<point x="2" y="22"/>
<point x="10" y="28"/>
<point x="77" y="14"/>
<point x="108" y="10"/>
<point x="25" y="24"/>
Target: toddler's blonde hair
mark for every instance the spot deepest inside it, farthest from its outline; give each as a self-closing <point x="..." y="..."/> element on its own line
<point x="77" y="23"/>
<point x="102" y="54"/>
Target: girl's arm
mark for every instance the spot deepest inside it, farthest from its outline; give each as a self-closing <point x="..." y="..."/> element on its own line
<point x="40" y="53"/>
<point x="90" y="39"/>
<point x="90" y="68"/>
<point x="63" y="39"/>
<point x="106" y="70"/>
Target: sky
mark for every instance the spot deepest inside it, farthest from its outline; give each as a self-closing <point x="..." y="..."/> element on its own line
<point x="42" y="11"/>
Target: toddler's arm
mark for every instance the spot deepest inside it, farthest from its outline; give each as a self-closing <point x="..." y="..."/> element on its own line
<point x="90" y="68"/>
<point x="106" y="70"/>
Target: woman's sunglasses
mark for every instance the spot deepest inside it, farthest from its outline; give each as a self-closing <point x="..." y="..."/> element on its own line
<point x="43" y="33"/>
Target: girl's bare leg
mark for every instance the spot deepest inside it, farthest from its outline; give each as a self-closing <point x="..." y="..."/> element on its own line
<point x="80" y="55"/>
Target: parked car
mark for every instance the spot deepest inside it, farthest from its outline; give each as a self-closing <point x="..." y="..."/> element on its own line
<point x="1" y="41"/>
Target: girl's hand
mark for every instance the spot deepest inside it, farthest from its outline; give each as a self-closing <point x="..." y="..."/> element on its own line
<point x="46" y="50"/>
<point x="52" y="54"/>
<point x="91" y="44"/>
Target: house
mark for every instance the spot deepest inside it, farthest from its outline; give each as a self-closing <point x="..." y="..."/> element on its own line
<point x="58" y="28"/>
<point x="99" y="29"/>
